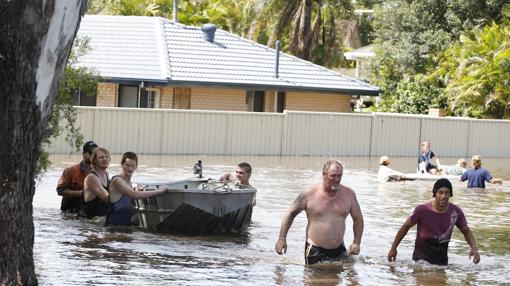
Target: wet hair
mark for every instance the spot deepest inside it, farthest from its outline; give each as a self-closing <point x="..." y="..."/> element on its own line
<point x="245" y="166"/>
<point x="384" y="160"/>
<point x="328" y="164"/>
<point x="461" y="162"/>
<point x="129" y="155"/>
<point x="442" y="183"/>
<point x="476" y="160"/>
<point x="95" y="154"/>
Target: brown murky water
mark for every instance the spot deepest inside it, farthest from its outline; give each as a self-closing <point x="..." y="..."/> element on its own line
<point x="77" y="252"/>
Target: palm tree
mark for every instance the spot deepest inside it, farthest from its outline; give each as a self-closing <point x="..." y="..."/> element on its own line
<point x="476" y="72"/>
<point x="305" y="27"/>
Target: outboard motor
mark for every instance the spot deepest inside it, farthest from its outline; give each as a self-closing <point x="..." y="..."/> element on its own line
<point x="197" y="169"/>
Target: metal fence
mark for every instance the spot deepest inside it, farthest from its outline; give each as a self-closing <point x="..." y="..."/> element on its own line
<point x="189" y="132"/>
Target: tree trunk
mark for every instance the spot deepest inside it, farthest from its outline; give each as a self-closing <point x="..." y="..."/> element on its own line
<point x="36" y="37"/>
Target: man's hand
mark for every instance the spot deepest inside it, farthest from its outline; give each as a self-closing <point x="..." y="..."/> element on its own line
<point x="354" y="249"/>
<point x="281" y="246"/>
<point x="392" y="255"/>
<point x="475" y="255"/>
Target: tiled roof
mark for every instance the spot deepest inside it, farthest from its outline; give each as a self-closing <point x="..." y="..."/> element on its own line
<point x="154" y="49"/>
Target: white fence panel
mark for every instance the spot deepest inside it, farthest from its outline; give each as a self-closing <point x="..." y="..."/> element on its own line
<point x="254" y="134"/>
<point x="447" y="136"/>
<point x="127" y="129"/>
<point x="395" y="135"/>
<point x="85" y="122"/>
<point x="169" y="131"/>
<point x="323" y="134"/>
<point x="489" y="138"/>
<point x="194" y="132"/>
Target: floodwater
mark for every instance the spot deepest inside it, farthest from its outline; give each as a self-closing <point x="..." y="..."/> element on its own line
<point x="68" y="251"/>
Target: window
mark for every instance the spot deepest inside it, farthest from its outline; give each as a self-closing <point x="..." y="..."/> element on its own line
<point x="82" y="99"/>
<point x="134" y="96"/>
<point x="280" y="101"/>
<point x="255" y="98"/>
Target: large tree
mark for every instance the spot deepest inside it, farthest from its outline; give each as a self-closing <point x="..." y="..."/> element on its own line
<point x="307" y="28"/>
<point x="36" y="39"/>
<point x="476" y="72"/>
<point x="411" y="33"/>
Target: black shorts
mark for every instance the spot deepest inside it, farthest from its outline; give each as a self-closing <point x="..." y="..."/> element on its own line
<point x="315" y="254"/>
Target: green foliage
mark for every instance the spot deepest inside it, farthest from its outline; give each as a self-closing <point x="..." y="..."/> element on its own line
<point x="307" y="29"/>
<point x="476" y="72"/>
<point x="75" y="79"/>
<point x="410" y="35"/>
<point x="414" y="96"/>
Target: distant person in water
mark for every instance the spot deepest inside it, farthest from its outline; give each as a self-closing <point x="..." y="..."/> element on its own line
<point x="477" y="176"/>
<point x="242" y="177"/>
<point x="436" y="220"/>
<point x="327" y="206"/>
<point x="94" y="199"/>
<point x="122" y="192"/>
<point x="457" y="169"/>
<point x="387" y="174"/>
<point x="70" y="184"/>
<point x="426" y="159"/>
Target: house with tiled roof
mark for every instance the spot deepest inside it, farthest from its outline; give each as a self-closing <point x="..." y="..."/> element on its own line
<point x="152" y="62"/>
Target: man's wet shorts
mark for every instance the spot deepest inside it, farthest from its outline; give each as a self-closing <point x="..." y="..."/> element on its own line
<point x="315" y="254"/>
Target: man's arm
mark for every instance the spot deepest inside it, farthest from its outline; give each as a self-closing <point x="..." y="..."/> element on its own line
<point x="95" y="186"/>
<point x="392" y="254"/>
<point x="63" y="185"/>
<point x="297" y="206"/>
<point x="357" y="226"/>
<point x="126" y="189"/>
<point x="470" y="239"/>
<point x="227" y="177"/>
<point x="496" y="181"/>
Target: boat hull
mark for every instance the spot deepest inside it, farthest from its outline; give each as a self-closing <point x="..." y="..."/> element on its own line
<point x="192" y="206"/>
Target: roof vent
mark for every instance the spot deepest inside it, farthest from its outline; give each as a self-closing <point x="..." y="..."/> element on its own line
<point x="208" y="32"/>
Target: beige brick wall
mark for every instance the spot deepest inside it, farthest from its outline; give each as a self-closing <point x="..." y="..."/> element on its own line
<point x="166" y="97"/>
<point x="269" y="98"/>
<point x="227" y="99"/>
<point x="218" y="99"/>
<point x="309" y="101"/>
<point x="107" y="94"/>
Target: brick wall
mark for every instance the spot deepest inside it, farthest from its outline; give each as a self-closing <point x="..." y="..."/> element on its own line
<point x="107" y="94"/>
<point x="218" y="99"/>
<point x="227" y="99"/>
<point x="166" y="97"/>
<point x="309" y="101"/>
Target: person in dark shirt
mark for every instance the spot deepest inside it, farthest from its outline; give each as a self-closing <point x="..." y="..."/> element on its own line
<point x="95" y="198"/>
<point x="426" y="159"/>
<point x="477" y="176"/>
<point x="70" y="184"/>
<point x="436" y="220"/>
<point x="122" y="192"/>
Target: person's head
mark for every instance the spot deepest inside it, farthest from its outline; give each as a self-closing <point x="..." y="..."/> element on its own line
<point x="462" y="163"/>
<point x="332" y="172"/>
<point x="425" y="146"/>
<point x="88" y="148"/>
<point x="100" y="158"/>
<point x="442" y="183"/>
<point x="129" y="163"/>
<point x="442" y="191"/>
<point x="476" y="161"/>
<point x="384" y="160"/>
<point x="243" y="173"/>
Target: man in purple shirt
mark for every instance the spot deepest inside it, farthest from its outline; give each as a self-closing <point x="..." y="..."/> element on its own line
<point x="477" y="176"/>
<point x="435" y="220"/>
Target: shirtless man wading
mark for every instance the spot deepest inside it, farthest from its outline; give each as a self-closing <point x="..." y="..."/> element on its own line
<point x="327" y="205"/>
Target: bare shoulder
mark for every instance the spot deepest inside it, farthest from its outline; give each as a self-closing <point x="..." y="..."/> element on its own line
<point x="347" y="192"/>
<point x="305" y="195"/>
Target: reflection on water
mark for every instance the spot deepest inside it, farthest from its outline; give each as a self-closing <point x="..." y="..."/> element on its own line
<point x="76" y="252"/>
